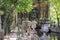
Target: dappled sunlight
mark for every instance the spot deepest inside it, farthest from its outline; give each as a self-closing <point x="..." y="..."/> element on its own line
<point x="30" y="19"/>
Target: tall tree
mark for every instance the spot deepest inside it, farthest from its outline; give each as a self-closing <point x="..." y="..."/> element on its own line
<point x="10" y="6"/>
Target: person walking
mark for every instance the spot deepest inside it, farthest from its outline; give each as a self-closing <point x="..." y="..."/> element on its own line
<point x="44" y="37"/>
<point x="33" y="24"/>
<point x="46" y="27"/>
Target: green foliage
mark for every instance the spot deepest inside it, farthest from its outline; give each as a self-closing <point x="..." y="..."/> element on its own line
<point x="24" y="5"/>
<point x="13" y="5"/>
<point x="43" y="20"/>
<point x="1" y="3"/>
<point x="54" y="10"/>
<point x="18" y="5"/>
<point x="1" y="12"/>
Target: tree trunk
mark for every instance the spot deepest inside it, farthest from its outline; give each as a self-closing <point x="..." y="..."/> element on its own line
<point x="57" y="18"/>
<point x="58" y="21"/>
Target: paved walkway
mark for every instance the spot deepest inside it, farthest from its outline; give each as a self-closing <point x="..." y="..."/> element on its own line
<point x="13" y="36"/>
